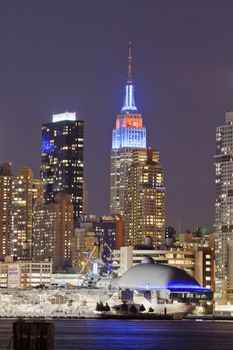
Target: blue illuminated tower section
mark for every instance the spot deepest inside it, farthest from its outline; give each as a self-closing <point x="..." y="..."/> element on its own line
<point x="129" y="134"/>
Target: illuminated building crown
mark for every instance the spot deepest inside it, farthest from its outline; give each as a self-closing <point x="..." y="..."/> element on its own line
<point x="129" y="131"/>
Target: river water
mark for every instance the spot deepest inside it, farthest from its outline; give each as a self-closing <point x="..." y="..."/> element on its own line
<point x="128" y="334"/>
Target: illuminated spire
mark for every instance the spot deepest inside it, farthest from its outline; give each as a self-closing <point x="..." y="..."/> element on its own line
<point x="129" y="102"/>
<point x="130" y="58"/>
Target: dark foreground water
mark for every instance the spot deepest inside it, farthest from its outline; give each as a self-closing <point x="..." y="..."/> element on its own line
<point x="143" y="335"/>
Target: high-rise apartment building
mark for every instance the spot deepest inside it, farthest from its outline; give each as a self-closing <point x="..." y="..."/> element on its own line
<point x="128" y="134"/>
<point x="144" y="199"/>
<point x="27" y="193"/>
<point x="62" y="159"/>
<point x="224" y="202"/>
<point x="53" y="232"/>
<point x="5" y="209"/>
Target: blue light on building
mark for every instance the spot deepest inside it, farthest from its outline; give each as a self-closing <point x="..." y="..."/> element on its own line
<point x="129" y="103"/>
<point x="129" y="131"/>
<point x="176" y="286"/>
<point x="129" y="137"/>
<point x="46" y="146"/>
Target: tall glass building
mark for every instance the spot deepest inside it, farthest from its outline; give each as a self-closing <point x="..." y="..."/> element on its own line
<point x="223" y="204"/>
<point x="62" y="159"/>
<point x="128" y="134"/>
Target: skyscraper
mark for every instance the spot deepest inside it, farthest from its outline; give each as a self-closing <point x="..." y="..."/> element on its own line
<point x="53" y="231"/>
<point x="128" y="134"/>
<point x="144" y="199"/>
<point x="5" y="209"/>
<point x="62" y="159"/>
<point x="223" y="203"/>
<point x="27" y="193"/>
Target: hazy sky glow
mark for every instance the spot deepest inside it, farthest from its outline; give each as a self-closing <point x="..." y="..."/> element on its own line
<point x="72" y="55"/>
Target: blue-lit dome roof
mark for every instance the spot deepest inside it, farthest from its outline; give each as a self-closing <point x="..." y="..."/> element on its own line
<point x="152" y="276"/>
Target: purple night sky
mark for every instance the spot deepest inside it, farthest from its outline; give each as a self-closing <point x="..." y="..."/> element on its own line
<point x="61" y="55"/>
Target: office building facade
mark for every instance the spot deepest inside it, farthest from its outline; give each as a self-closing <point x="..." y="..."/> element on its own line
<point x="62" y="159"/>
<point x="24" y="274"/>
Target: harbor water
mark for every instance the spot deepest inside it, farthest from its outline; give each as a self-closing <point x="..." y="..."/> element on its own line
<point x="138" y="334"/>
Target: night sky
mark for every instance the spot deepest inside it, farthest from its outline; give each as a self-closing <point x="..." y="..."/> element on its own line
<point x="71" y="55"/>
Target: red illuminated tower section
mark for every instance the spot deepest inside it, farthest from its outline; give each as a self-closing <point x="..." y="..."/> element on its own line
<point x="129" y="134"/>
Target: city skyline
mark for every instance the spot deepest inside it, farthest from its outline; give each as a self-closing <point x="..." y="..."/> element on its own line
<point x="183" y="85"/>
<point x="116" y="173"/>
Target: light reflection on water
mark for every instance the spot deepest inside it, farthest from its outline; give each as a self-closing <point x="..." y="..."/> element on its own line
<point x="135" y="335"/>
<point x="143" y="335"/>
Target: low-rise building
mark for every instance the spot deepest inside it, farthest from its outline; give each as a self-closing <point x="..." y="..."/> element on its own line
<point x="23" y="274"/>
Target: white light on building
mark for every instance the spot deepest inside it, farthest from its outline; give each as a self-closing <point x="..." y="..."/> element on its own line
<point x="64" y="116"/>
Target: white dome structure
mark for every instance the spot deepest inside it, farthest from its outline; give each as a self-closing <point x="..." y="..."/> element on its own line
<point x="149" y="275"/>
<point x="163" y="288"/>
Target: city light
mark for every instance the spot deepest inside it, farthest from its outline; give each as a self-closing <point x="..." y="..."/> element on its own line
<point x="64" y="117"/>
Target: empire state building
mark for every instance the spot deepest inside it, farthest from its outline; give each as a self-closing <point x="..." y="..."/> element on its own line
<point x="128" y="135"/>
